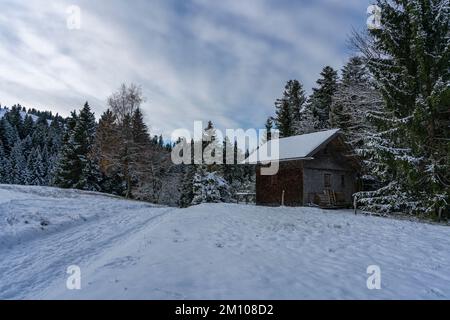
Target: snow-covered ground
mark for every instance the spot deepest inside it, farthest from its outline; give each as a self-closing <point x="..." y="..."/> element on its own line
<point x="133" y="250"/>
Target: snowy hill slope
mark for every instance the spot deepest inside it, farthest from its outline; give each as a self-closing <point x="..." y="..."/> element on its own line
<point x="23" y="114"/>
<point x="30" y="212"/>
<point x="128" y="250"/>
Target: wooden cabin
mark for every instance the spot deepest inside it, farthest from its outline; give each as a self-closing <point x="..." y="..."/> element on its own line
<point x="314" y="169"/>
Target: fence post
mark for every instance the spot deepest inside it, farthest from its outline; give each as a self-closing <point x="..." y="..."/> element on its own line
<point x="282" y="199"/>
<point x="355" y="204"/>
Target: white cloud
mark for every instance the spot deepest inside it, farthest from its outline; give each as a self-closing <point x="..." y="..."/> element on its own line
<point x="224" y="60"/>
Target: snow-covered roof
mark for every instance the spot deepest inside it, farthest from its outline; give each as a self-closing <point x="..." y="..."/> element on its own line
<point x="295" y="147"/>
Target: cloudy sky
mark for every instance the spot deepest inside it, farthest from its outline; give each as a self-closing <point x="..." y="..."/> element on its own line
<point x="224" y="60"/>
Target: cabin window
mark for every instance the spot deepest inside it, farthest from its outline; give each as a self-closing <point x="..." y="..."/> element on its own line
<point x="327" y="180"/>
<point x="343" y="181"/>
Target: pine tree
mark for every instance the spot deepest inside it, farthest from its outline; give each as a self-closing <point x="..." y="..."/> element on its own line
<point x="155" y="140"/>
<point x="355" y="72"/>
<point x="198" y="185"/>
<point x="54" y="136"/>
<point x="295" y="95"/>
<point x="36" y="168"/>
<point x="268" y="127"/>
<point x="289" y="107"/>
<point x="228" y="159"/>
<point x="31" y="135"/>
<point x="161" y="141"/>
<point x="41" y="131"/>
<point x="78" y="166"/>
<point x="18" y="164"/>
<point x="320" y="101"/>
<point x="284" y="119"/>
<point x="8" y="134"/>
<point x="409" y="59"/>
<point x="144" y="161"/>
<point x="308" y="121"/>
<point x="84" y="137"/>
<point x="234" y="171"/>
<point x="354" y="102"/>
<point x="212" y="149"/>
<point x="27" y="146"/>
<point x="5" y="167"/>
<point x="187" y="186"/>
<point x="209" y="187"/>
<point x="48" y="165"/>
<point x="14" y="117"/>
<point x="139" y="130"/>
<point x="66" y="173"/>
<point x="209" y="181"/>
<point x="27" y="126"/>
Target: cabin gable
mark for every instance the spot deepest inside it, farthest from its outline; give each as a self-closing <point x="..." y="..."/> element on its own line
<point x="330" y="171"/>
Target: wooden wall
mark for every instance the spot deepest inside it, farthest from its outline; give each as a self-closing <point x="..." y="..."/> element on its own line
<point x="329" y="161"/>
<point x="269" y="189"/>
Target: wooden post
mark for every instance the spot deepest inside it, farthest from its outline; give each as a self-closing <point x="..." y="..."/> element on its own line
<point x="440" y="214"/>
<point x="355" y="204"/>
<point x="282" y="199"/>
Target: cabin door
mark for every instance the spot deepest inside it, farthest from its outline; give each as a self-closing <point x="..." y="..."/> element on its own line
<point x="292" y="185"/>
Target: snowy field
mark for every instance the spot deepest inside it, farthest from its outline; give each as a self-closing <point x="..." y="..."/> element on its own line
<point x="133" y="250"/>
